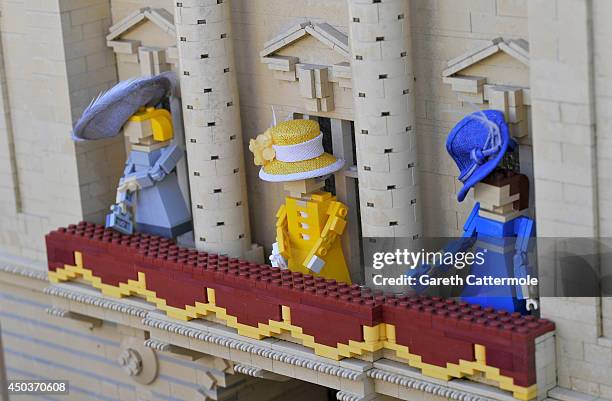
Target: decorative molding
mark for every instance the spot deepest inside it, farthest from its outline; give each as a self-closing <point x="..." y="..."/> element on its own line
<point x="517" y="48"/>
<point x="157" y="345"/>
<point x="160" y="17"/>
<point x="323" y="32"/>
<point x="384" y="370"/>
<point x="245" y="346"/>
<point x="248" y="370"/>
<point x="315" y="81"/>
<point x="24" y="271"/>
<point x="345" y="396"/>
<point x="424" y="386"/>
<point x="116" y="306"/>
<point x="511" y="100"/>
<point x="57" y="312"/>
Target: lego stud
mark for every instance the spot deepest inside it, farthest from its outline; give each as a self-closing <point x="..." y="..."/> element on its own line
<point x="138" y="361"/>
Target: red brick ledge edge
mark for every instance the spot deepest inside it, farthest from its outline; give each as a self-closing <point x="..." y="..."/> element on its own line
<point x="439" y="333"/>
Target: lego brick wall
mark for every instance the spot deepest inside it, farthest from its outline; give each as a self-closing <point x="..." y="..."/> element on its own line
<point x="55" y="60"/>
<point x="571" y="122"/>
<point x="603" y="113"/>
<point x="121" y="8"/>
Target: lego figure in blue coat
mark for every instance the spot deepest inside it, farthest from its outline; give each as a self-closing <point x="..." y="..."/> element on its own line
<point x="497" y="227"/>
<point x="149" y="198"/>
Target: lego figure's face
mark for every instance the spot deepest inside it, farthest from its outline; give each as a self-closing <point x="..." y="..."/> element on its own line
<point x="303" y="188"/>
<point x="148" y="126"/>
<point x="494" y="198"/>
<point x="139" y="132"/>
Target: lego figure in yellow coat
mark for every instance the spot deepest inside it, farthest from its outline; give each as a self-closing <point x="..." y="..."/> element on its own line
<point x="311" y="221"/>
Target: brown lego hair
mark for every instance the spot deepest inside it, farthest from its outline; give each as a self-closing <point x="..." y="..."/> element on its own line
<point x="519" y="184"/>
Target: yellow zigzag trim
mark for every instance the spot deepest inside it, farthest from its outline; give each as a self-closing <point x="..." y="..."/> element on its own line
<point x="375" y="338"/>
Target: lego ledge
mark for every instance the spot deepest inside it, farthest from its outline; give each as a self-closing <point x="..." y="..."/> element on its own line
<point x="443" y="339"/>
<point x="356" y="380"/>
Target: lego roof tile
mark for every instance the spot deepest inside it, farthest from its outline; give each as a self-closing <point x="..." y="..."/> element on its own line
<point x="323" y="32"/>
<point x="519" y="49"/>
<point x="158" y="16"/>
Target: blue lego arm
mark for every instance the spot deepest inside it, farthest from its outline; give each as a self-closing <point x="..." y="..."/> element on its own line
<point x="460" y="245"/>
<point x="130" y="173"/>
<point x="524" y="230"/>
<point x="141" y="177"/>
<point x="166" y="163"/>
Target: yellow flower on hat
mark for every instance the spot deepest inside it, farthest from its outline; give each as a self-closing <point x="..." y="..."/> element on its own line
<point x="262" y="148"/>
<point x="293" y="150"/>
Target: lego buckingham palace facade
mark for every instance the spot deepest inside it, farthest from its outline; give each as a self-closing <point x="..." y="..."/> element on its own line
<point x="380" y="83"/>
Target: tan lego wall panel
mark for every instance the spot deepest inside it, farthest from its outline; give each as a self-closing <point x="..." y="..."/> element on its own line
<point x="55" y="62"/>
<point x="40" y="346"/>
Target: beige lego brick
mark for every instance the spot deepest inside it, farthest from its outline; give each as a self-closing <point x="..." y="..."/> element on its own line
<point x="280" y="63"/>
<point x="307" y="83"/>
<point x="519" y="129"/>
<point x="323" y="87"/>
<point x="327" y="103"/>
<point x="389" y="217"/>
<point x="124" y="46"/>
<point x="498" y="100"/>
<point x="516" y="114"/>
<point x="476" y="98"/>
<point x="290" y="76"/>
<point x="384" y="144"/>
<point x="312" y="105"/>
<point x="341" y="71"/>
<point x="467" y="84"/>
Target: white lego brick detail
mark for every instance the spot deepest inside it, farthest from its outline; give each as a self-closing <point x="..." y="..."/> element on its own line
<point x="315" y="264"/>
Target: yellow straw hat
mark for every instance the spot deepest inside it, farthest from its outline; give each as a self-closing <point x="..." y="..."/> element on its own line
<point x="292" y="151"/>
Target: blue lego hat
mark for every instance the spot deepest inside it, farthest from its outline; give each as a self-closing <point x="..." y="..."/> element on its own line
<point x="477" y="144"/>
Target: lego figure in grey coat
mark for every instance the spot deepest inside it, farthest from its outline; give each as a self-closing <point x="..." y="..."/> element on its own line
<point x="149" y="198"/>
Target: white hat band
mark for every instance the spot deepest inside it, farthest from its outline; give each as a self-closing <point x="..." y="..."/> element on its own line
<point x="300" y="151"/>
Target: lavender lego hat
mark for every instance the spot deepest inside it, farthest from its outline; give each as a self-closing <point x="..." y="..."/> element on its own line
<point x="107" y="113"/>
<point x="477" y="144"/>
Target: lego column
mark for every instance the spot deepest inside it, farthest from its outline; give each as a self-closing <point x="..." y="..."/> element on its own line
<point x="383" y="98"/>
<point x="212" y="127"/>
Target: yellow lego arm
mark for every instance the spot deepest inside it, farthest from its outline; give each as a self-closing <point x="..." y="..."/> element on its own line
<point x="282" y="234"/>
<point x="334" y="227"/>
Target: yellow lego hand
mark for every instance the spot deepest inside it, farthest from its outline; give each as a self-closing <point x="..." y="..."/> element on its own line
<point x="129" y="184"/>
